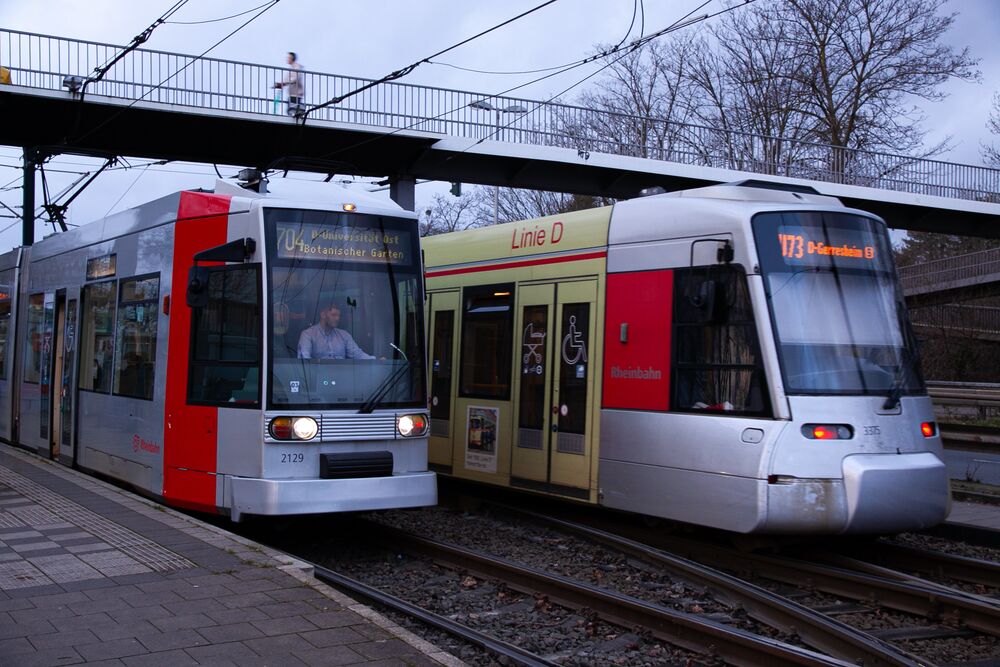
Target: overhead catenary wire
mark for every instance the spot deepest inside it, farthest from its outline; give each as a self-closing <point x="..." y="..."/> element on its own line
<point x="253" y="18"/>
<point x="221" y="18"/>
<point x="400" y="73"/>
<point x="681" y="23"/>
<point x="136" y="42"/>
<point x="635" y="7"/>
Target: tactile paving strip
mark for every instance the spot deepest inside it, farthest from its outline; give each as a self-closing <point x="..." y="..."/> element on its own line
<point x="56" y="513"/>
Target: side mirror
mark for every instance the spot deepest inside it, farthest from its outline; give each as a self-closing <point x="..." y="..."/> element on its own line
<point x="704" y="300"/>
<point x="197" y="288"/>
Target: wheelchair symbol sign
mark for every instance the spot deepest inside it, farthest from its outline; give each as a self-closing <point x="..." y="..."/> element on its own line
<point x="574" y="349"/>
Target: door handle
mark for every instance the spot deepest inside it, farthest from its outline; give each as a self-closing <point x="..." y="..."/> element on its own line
<point x="555" y="428"/>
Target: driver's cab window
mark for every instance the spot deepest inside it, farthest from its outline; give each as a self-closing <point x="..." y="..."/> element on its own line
<point x="717" y="365"/>
<point x="225" y="340"/>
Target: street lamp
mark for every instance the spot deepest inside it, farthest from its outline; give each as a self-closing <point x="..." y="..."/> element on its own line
<point x="483" y="105"/>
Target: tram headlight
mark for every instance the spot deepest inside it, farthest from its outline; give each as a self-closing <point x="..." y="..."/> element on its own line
<point x="411" y="425"/>
<point x="293" y="428"/>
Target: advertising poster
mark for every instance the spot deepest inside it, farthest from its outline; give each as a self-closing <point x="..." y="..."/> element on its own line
<point x="481" y="438"/>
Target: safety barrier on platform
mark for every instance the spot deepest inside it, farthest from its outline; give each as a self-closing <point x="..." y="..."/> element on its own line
<point x="43" y="61"/>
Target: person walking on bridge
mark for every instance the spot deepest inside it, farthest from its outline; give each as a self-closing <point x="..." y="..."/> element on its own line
<point x="294" y="81"/>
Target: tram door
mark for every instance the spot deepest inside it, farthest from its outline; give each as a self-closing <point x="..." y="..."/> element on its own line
<point x="554" y="438"/>
<point x="443" y="346"/>
<point x="63" y="363"/>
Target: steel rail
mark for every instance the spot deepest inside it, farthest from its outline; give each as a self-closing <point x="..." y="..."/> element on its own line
<point x="685" y="630"/>
<point x="934" y="563"/>
<point x="515" y="654"/>
<point x="814" y="628"/>
<point x="915" y="598"/>
<point x="859" y="565"/>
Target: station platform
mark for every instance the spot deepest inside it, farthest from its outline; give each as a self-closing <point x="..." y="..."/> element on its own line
<point x="980" y="515"/>
<point x="93" y="574"/>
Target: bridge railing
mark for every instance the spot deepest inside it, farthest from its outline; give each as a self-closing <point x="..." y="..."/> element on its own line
<point x="959" y="318"/>
<point x="950" y="270"/>
<point x="42" y="61"/>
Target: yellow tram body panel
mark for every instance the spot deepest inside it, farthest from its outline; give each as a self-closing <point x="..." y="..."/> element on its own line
<point x="533" y="423"/>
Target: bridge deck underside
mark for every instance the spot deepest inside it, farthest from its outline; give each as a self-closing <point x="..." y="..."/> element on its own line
<point x="55" y="120"/>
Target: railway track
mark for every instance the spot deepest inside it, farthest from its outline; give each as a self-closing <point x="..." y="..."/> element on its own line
<point x="862" y="587"/>
<point x="713" y="639"/>
<point x="792" y="595"/>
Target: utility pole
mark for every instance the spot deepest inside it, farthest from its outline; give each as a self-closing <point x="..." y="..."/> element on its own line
<point x="28" y="198"/>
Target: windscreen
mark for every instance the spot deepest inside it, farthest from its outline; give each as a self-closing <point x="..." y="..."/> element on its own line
<point x="346" y="310"/>
<point x="835" y="303"/>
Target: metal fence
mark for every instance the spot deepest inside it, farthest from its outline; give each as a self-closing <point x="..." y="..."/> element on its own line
<point x="42" y="61"/>
<point x="950" y="271"/>
<point x="959" y="317"/>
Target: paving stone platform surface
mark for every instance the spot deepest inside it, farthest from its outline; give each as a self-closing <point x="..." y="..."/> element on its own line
<point x="92" y="574"/>
<point x="975" y="514"/>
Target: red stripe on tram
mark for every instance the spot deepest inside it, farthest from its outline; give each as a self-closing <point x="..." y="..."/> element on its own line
<point x="190" y="443"/>
<point x="518" y="264"/>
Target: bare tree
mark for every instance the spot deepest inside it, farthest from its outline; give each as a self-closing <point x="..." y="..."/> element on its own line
<point x="776" y="83"/>
<point x="517" y="204"/>
<point x="743" y="90"/>
<point x="640" y="103"/>
<point x="863" y="64"/>
<point x="452" y="214"/>
<point x="991" y="152"/>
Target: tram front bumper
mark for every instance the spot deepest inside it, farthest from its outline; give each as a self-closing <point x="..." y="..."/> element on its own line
<point x="275" y="497"/>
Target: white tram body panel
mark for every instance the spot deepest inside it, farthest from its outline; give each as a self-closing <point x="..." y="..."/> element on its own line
<point x="109" y="369"/>
<point x="753" y="369"/>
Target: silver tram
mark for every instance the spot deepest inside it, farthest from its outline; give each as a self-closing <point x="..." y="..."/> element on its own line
<point x="231" y="351"/>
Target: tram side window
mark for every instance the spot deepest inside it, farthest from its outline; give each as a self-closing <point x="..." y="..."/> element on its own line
<point x="135" y="343"/>
<point x="487" y="335"/>
<point x="717" y="361"/>
<point x="97" y="336"/>
<point x="444" y="323"/>
<point x="225" y="340"/>
<point x="4" y="333"/>
<point x="36" y="333"/>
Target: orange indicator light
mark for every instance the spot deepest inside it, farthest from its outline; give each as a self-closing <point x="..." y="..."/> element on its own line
<point x="929" y="429"/>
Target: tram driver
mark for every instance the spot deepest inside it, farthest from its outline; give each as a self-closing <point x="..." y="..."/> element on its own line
<point x="324" y="340"/>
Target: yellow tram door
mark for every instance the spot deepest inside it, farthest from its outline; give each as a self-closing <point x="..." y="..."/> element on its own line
<point x="443" y="319"/>
<point x="554" y="446"/>
<point x="530" y="455"/>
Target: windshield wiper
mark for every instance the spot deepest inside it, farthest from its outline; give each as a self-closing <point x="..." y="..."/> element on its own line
<point x="388" y="383"/>
<point x="898" y="382"/>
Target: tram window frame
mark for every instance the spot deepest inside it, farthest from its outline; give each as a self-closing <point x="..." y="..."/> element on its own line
<point x="5" y="320"/>
<point x="33" y="356"/>
<point x="195" y="363"/>
<point x="503" y="345"/>
<point x="118" y="364"/>
<point x="689" y="317"/>
<point x="86" y="301"/>
<point x="442" y="363"/>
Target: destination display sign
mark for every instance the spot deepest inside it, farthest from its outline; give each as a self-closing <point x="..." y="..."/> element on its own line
<point x="350" y="244"/>
<point x="812" y="246"/>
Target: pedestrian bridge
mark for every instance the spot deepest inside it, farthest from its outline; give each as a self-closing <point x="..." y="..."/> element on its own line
<point x="961" y="278"/>
<point x="172" y="106"/>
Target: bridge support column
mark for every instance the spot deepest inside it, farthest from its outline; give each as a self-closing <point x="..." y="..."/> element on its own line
<point x="28" y="198"/>
<point x="402" y="190"/>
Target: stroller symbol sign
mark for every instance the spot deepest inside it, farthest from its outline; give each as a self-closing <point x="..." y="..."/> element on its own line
<point x="533" y="344"/>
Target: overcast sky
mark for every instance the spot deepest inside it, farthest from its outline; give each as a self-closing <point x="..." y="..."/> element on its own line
<point x="369" y="38"/>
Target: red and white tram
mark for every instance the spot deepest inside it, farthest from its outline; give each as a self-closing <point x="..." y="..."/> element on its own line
<point x="230" y="351"/>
